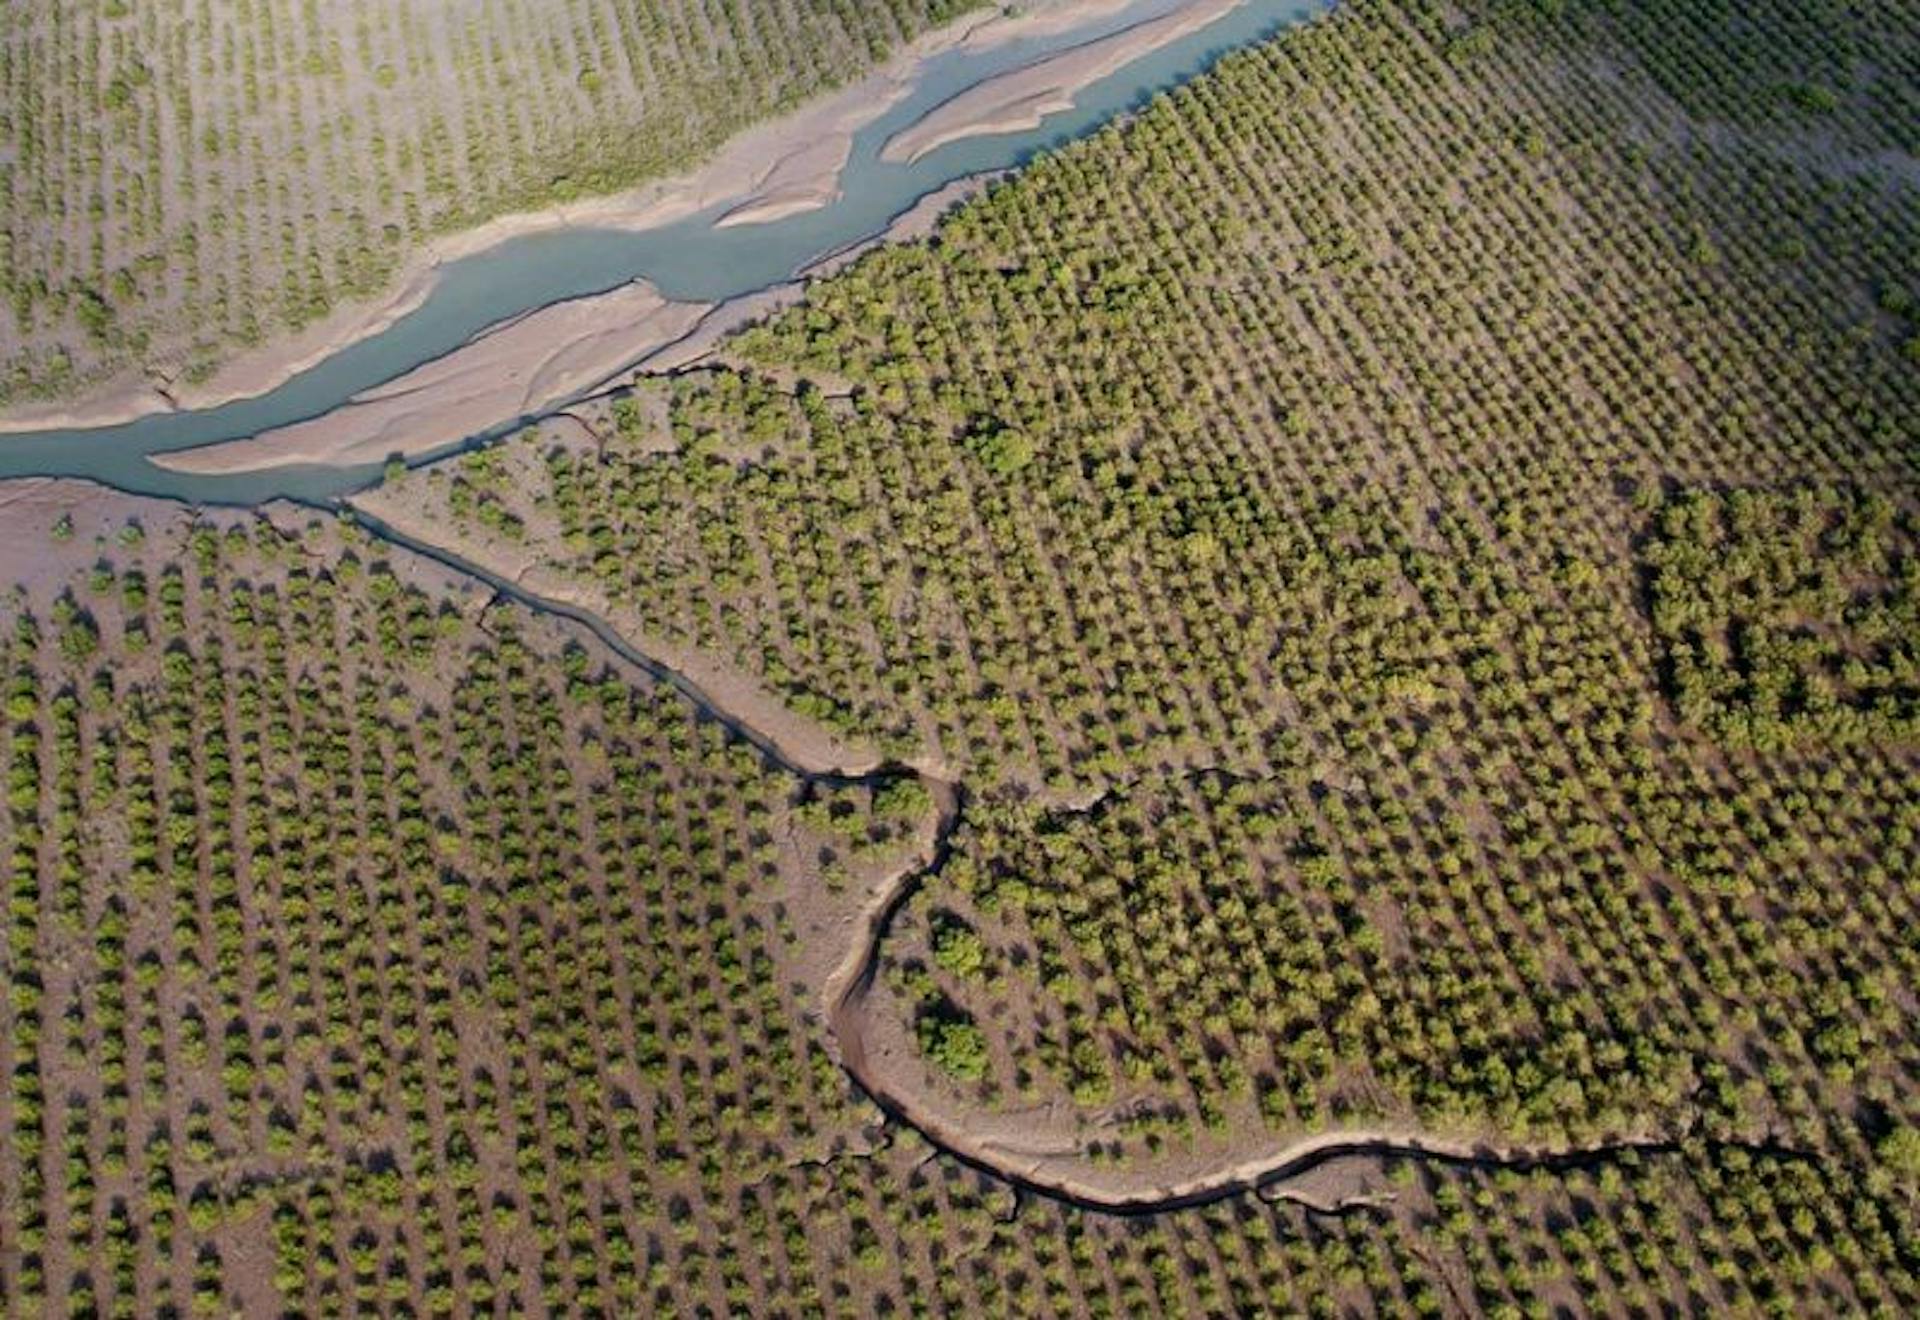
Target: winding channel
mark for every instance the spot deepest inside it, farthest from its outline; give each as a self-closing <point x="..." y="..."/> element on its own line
<point x="694" y="259"/>
<point x="846" y="988"/>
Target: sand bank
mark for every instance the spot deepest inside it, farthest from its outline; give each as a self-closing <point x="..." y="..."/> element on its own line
<point x="127" y="401"/>
<point x="518" y="368"/>
<point x="532" y="364"/>
<point x="1021" y="98"/>
<point x="779" y="168"/>
<point x="808" y="177"/>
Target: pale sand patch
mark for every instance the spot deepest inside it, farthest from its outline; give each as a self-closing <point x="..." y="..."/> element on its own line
<point x="782" y="167"/>
<point x="1041" y="19"/>
<point x="514" y="370"/>
<point x="127" y="401"/>
<point x="1021" y="98"/>
<point x="807" y="178"/>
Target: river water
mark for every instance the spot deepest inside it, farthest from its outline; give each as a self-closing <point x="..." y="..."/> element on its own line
<point x="689" y="259"/>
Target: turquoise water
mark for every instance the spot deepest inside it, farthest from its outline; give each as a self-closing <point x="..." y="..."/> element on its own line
<point x="689" y="259"/>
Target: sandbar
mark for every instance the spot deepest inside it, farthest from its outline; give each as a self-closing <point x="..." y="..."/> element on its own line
<point x="534" y="363"/>
<point x="1022" y="98"/>
<point x="518" y="368"/>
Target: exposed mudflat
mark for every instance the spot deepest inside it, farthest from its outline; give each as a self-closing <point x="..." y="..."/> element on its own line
<point x="514" y="370"/>
<point x="50" y="526"/>
<point x="533" y="364"/>
<point x="1021" y="98"/>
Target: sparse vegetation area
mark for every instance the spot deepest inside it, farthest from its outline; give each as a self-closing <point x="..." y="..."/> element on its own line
<point x="1401" y="560"/>
<point x="183" y="178"/>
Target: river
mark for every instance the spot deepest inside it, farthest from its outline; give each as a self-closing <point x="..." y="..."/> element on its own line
<point x="688" y="259"/>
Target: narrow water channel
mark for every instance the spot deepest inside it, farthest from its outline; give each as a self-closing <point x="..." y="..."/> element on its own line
<point x="689" y="259"/>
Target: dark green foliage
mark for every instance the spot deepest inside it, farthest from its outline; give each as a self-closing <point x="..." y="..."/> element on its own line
<point x="952" y="1042"/>
<point x="1789" y="614"/>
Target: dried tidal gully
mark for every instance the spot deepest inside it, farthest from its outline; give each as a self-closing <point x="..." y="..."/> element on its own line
<point x="848" y="986"/>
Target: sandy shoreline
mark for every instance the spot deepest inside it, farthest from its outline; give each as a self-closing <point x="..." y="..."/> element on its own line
<point x="1021" y="98"/>
<point x="115" y="405"/>
<point x="532" y="364"/>
<point x="779" y="168"/>
<point x="549" y="357"/>
<point x="516" y="369"/>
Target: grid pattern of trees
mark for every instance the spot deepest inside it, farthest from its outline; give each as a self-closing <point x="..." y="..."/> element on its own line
<point x="1297" y="473"/>
<point x="179" y="178"/>
<point x="1272" y="512"/>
